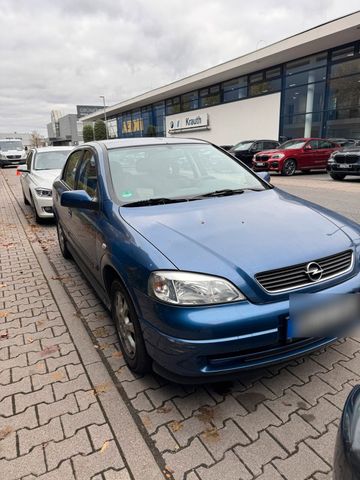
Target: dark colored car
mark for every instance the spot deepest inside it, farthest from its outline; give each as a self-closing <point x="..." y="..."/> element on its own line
<point x="246" y="149"/>
<point x="345" y="142"/>
<point x="345" y="161"/>
<point x="179" y="248"/>
<point x="303" y="154"/>
<point x="347" y="448"/>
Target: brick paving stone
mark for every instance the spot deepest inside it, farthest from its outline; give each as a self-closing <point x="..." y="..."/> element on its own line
<point x="164" y="440"/>
<point x="325" y="444"/>
<point x="219" y="441"/>
<point x="261" y="419"/>
<point x="73" y="422"/>
<point x="280" y="382"/>
<point x="40" y="435"/>
<point x="64" y="472"/>
<point x="306" y="368"/>
<point x="6" y="407"/>
<point x="291" y="433"/>
<point x="338" y="376"/>
<point x="287" y="404"/>
<point x="302" y="464"/>
<point x="79" y="383"/>
<point x="229" y="408"/>
<point x="348" y="347"/>
<point x="32" y="463"/>
<point x="253" y="396"/>
<point x="117" y="475"/>
<point x="321" y="415"/>
<point x="142" y="403"/>
<point x="87" y="466"/>
<point x="188" y="458"/>
<point x="59" y="451"/>
<point x="161" y="416"/>
<point x="313" y="390"/>
<point x="99" y="435"/>
<point x="328" y="358"/>
<point x="23" y="385"/>
<point x="189" y="404"/>
<point x="8" y="446"/>
<point x="260" y="452"/>
<point x="230" y="468"/>
<point x="338" y="398"/>
<point x="270" y="473"/>
<point x="55" y="409"/>
<point x="24" y="400"/>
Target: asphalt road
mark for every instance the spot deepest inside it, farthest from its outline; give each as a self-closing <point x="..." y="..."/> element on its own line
<point x="341" y="196"/>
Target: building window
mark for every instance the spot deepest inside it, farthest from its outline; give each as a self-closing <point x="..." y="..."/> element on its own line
<point x="303" y="78"/>
<point x="306" y="63"/>
<point x="294" y="126"/>
<point x="189" y="101"/>
<point x="234" y="89"/>
<point x="345" y="68"/>
<point x="343" y="53"/>
<point x="209" y="96"/>
<point x="344" y="92"/>
<point x="304" y="99"/>
<point x="112" y="126"/>
<point x="159" y="118"/>
<point x="172" y="105"/>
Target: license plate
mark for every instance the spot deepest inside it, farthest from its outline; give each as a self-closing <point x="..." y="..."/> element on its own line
<point x="344" y="165"/>
<point x="260" y="164"/>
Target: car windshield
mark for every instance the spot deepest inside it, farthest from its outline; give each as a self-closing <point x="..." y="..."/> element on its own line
<point x="292" y="144"/>
<point x="242" y="146"/>
<point x="11" y="145"/>
<point x="52" y="160"/>
<point x="179" y="171"/>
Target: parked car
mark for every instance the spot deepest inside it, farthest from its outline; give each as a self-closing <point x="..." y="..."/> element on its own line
<point x="196" y="260"/>
<point x="303" y="154"/>
<point x="43" y="165"/>
<point x="347" y="447"/>
<point x="12" y="152"/>
<point x="246" y="149"/>
<point x="345" y="142"/>
<point x="345" y="161"/>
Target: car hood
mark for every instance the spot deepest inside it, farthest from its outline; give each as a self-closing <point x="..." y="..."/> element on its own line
<point x="287" y="152"/>
<point x="236" y="237"/>
<point x="45" y="178"/>
<point x="12" y="152"/>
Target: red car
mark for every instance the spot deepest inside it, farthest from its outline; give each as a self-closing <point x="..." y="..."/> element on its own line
<point x="303" y="154"/>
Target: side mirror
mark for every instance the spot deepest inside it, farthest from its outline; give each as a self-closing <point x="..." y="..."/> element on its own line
<point x="22" y="169"/>
<point x="265" y="176"/>
<point x="308" y="147"/>
<point x="78" y="199"/>
<point x="347" y="448"/>
<point x="26" y="148"/>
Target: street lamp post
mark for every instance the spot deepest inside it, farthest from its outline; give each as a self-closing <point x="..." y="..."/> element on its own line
<point x="106" y="128"/>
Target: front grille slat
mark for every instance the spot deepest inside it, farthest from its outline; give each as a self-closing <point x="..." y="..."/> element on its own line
<point x="289" y="278"/>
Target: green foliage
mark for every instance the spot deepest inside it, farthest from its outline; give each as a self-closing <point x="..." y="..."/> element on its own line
<point x="100" y="130"/>
<point x="151" y="131"/>
<point x="88" y="133"/>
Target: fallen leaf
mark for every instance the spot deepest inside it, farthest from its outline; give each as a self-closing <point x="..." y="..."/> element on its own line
<point x="57" y="376"/>
<point x="4" y="335"/>
<point x="4" y="432"/>
<point x="4" y="314"/>
<point x="100" y="332"/>
<point x="211" y="434"/>
<point x="117" y="354"/>
<point x="3" y="285"/>
<point x="30" y="339"/>
<point x="104" y="447"/>
<point x="176" y="426"/>
<point x="40" y="366"/>
<point x="49" y="350"/>
<point x="168" y="470"/>
<point x="39" y="323"/>
<point x="8" y="245"/>
<point x="206" y="414"/>
<point x="101" y="388"/>
<point x="146" y="421"/>
<point x="164" y="409"/>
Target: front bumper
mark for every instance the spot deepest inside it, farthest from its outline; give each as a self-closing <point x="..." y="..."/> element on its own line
<point x="253" y="336"/>
<point x="352" y="169"/>
<point x="273" y="166"/>
<point x="9" y="161"/>
<point x="44" y="206"/>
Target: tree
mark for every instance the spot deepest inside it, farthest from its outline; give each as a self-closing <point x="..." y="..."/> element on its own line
<point x="100" y="130"/>
<point x="151" y="131"/>
<point x="37" y="140"/>
<point x="88" y="132"/>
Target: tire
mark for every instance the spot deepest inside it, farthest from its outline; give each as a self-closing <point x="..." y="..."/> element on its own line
<point x="337" y="176"/>
<point x="62" y="242"/>
<point x="26" y="201"/>
<point x="129" y="331"/>
<point x="289" y="167"/>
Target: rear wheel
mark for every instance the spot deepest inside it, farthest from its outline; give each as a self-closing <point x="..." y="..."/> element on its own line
<point x="62" y="241"/>
<point x="26" y="201"/>
<point x="129" y="330"/>
<point x="337" y="176"/>
<point x="289" y="167"/>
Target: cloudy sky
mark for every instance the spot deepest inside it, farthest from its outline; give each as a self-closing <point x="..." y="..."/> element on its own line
<point x="56" y="54"/>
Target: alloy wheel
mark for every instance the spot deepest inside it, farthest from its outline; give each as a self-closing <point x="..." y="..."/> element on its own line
<point x="290" y="167"/>
<point x="125" y="325"/>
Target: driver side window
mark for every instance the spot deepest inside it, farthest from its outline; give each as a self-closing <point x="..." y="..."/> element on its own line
<point x="314" y="144"/>
<point x="87" y="179"/>
<point x="70" y="169"/>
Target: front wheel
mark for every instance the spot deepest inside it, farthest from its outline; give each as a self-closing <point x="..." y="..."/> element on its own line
<point x="129" y="330"/>
<point x="26" y="201"/>
<point x="289" y="167"/>
<point x="62" y="242"/>
<point x="337" y="176"/>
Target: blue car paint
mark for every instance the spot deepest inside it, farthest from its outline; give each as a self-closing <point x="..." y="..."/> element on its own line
<point x="232" y="237"/>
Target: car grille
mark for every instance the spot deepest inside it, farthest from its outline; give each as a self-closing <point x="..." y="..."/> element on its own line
<point x="13" y="157"/>
<point x="288" y="278"/>
<point x="340" y="158"/>
<point x="262" y="157"/>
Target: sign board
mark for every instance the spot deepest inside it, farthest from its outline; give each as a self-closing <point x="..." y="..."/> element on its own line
<point x="198" y="121"/>
<point x="83" y="110"/>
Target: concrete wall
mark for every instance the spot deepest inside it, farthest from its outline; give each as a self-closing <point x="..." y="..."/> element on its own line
<point x="232" y="122"/>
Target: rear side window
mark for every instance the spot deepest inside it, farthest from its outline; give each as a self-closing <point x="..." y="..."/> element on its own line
<point x="71" y="167"/>
<point x="87" y="179"/>
<point x="326" y="144"/>
<point x="314" y="144"/>
<point x="29" y="159"/>
<point x="269" y="145"/>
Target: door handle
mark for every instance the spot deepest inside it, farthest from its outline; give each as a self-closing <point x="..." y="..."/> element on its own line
<point x="69" y="212"/>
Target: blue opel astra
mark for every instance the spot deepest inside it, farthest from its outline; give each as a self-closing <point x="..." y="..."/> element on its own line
<point x="198" y="257"/>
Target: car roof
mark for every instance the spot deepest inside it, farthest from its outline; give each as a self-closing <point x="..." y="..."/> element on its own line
<point x="51" y="149"/>
<point x="144" y="141"/>
<point x="259" y="140"/>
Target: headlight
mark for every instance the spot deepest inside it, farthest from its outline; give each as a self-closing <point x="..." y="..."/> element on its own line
<point x="43" y="192"/>
<point x="278" y="156"/>
<point x="183" y="288"/>
<point x="3" y="157"/>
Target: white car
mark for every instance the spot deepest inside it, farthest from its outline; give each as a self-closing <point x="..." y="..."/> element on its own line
<point x="42" y="167"/>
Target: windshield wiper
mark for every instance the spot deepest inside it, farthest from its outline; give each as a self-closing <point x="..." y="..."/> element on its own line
<point x="155" y="201"/>
<point x="221" y="193"/>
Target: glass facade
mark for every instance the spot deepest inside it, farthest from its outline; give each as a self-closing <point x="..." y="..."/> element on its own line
<point x="320" y="96"/>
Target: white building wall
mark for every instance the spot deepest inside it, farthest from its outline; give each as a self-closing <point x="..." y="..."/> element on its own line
<point x="232" y="122"/>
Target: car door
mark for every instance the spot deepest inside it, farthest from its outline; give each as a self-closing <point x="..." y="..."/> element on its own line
<point x="325" y="149"/>
<point x="85" y="223"/>
<point x="66" y="183"/>
<point x="309" y="155"/>
<point x="255" y="148"/>
<point x="25" y="177"/>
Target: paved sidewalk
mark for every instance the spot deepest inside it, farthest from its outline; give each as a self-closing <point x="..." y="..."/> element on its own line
<point x="274" y="423"/>
<point x="59" y="409"/>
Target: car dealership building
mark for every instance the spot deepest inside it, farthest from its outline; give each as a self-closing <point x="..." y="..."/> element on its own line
<point x="306" y="85"/>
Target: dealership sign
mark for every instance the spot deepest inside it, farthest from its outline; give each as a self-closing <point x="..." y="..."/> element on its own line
<point x="189" y="122"/>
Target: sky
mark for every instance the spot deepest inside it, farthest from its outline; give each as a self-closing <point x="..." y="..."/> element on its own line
<point x="57" y="54"/>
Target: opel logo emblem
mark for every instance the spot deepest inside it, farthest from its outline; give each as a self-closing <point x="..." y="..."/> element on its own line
<point x="314" y="271"/>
